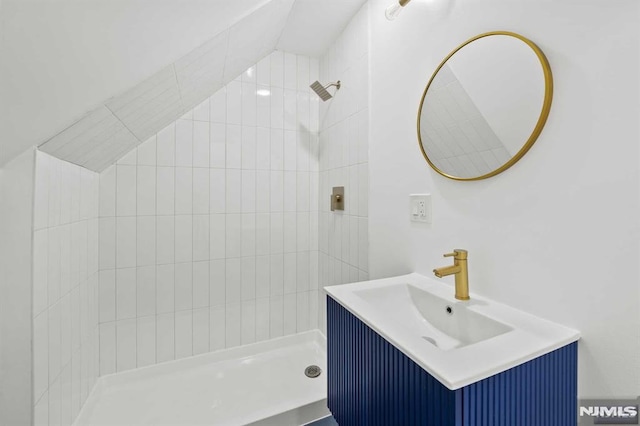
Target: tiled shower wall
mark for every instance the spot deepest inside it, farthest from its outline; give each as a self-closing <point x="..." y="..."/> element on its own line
<point x="65" y="289"/>
<point x="209" y="230"/>
<point x="344" y="252"/>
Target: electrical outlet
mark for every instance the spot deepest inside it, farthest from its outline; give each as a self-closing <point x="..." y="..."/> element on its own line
<point x="420" y="208"/>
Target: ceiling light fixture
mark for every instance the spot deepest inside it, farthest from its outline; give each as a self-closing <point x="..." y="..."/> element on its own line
<point x="394" y="10"/>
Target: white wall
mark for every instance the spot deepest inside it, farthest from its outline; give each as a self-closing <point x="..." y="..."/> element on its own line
<point x="344" y="156"/>
<point x="16" y="226"/>
<point x="67" y="57"/>
<point x="557" y="234"/>
<point x="65" y="284"/>
<point x="209" y="230"/>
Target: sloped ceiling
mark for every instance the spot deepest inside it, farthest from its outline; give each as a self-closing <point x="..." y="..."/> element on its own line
<point x="63" y="60"/>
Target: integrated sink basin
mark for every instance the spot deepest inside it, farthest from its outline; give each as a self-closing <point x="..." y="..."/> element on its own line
<point x="457" y="342"/>
<point x="440" y="322"/>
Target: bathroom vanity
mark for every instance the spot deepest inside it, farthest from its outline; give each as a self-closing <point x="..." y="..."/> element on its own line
<point x="404" y="351"/>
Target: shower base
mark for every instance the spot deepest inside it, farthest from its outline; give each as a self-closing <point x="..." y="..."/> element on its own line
<point x="262" y="384"/>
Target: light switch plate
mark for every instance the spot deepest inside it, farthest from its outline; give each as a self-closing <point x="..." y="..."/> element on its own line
<point x="420" y="208"/>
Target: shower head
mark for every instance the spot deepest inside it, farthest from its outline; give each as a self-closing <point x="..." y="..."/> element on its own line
<point x="322" y="90"/>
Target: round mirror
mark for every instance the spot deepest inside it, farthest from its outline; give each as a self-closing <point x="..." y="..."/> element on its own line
<point x="484" y="106"/>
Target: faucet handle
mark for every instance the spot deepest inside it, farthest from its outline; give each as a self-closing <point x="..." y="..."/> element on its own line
<point x="459" y="254"/>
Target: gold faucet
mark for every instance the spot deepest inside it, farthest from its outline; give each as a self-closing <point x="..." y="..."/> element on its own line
<point x="459" y="268"/>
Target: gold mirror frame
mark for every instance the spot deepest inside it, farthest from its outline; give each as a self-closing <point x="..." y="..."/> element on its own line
<point x="544" y="113"/>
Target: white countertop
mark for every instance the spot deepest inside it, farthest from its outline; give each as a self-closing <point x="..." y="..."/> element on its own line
<point x="529" y="337"/>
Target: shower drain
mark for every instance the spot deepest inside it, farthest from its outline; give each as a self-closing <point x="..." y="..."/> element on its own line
<point x="312" y="371"/>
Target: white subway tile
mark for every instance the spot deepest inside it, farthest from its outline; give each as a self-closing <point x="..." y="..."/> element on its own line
<point x="276" y="274"/>
<point x="217" y="145"/>
<point x="217" y="282"/>
<point x="262" y="319"/>
<point x="248" y="242"/>
<point x="40" y="355"/>
<point x="126" y="190"/>
<point x="248" y="267"/>
<point x="200" y="284"/>
<point x="233" y="280"/>
<point x="302" y="314"/>
<point x="263" y="106"/>
<point x="200" y="237"/>
<point x="65" y="259"/>
<point x="276" y="315"/>
<point x="233" y="330"/>
<point x="248" y="191"/>
<point x="277" y="107"/>
<point x="146" y="341"/>
<point x="217" y="190"/>
<point x="126" y="293"/>
<point x="363" y="250"/>
<point x="184" y="334"/>
<point x="262" y="190"/>
<point x="276" y="233"/>
<point x="146" y="240"/>
<point x="234" y="191"/>
<point x="290" y="316"/>
<point x="200" y="331"/>
<point x="233" y="236"/>
<point x="248" y="143"/>
<point x="165" y="288"/>
<point x="201" y="143"/>
<point x="146" y="291"/>
<point x="249" y="103"/>
<point x="184" y="286"/>
<point x="248" y="322"/>
<point x="107" y="251"/>
<point x="290" y="150"/>
<point x="201" y="191"/>
<point x="107" y="296"/>
<point x="146" y="187"/>
<point x="165" y="191"/>
<point x="277" y="193"/>
<point x="184" y="238"/>
<point x="302" y="271"/>
<point x="184" y="190"/>
<point x="233" y="147"/>
<point x="303" y="149"/>
<point x="40" y="270"/>
<point x="165" y="337"/>
<point x="126" y="344"/>
<point x="234" y="102"/>
<point x="363" y="189"/>
<point x="217" y="236"/>
<point x="107" y="348"/>
<point x="290" y="228"/>
<point x="184" y="143"/>
<point x="217" y="327"/>
<point x="107" y="192"/>
<point x="126" y="242"/>
<point x="165" y="232"/>
<point x="290" y="273"/>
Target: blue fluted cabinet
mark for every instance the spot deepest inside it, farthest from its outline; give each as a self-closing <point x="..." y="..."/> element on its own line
<point x="371" y="383"/>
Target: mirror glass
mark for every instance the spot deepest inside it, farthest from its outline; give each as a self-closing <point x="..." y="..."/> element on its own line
<point x="484" y="106"/>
